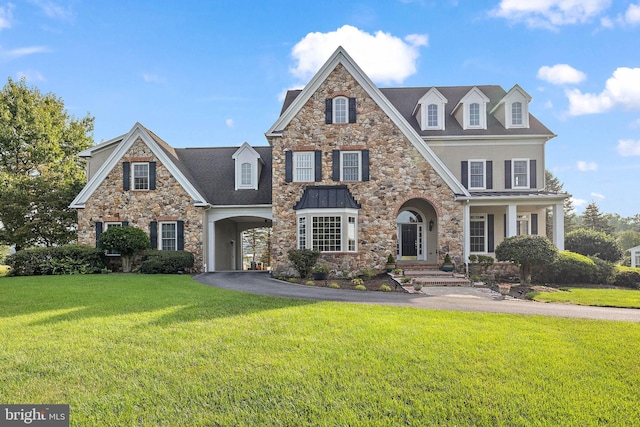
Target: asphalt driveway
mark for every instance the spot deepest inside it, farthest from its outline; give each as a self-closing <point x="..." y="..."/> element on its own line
<point x="439" y="298"/>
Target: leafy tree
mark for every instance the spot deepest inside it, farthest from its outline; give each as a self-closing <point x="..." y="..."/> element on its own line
<point x="303" y="260"/>
<point x="593" y="243"/>
<point x="628" y="239"/>
<point x="553" y="184"/>
<point x="526" y="252"/>
<point x="40" y="172"/>
<point x="593" y="219"/>
<point x="127" y="241"/>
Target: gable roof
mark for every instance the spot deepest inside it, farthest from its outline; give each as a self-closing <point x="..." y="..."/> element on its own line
<point x="160" y="149"/>
<point x="340" y="56"/>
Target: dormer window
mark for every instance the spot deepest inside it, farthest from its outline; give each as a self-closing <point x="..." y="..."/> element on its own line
<point x="513" y="109"/>
<point x="474" y="114"/>
<point x="516" y="113"/>
<point x="246" y="173"/>
<point x="247" y="167"/>
<point x="471" y="110"/>
<point x="429" y="112"/>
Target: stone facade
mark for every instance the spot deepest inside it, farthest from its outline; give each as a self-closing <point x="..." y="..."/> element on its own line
<point x="398" y="173"/>
<point x="169" y="202"/>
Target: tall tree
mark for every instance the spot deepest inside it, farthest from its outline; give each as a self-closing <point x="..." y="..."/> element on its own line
<point x="40" y="172"/>
<point x="593" y="219"/>
<point x="553" y="184"/>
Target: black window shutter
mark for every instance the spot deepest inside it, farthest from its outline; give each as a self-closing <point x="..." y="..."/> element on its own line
<point x="328" y="111"/>
<point x="532" y="174"/>
<point x="180" y="232"/>
<point x="352" y="110"/>
<point x="534" y="224"/>
<point x="153" y="234"/>
<point x="489" y="165"/>
<point x="490" y="234"/>
<point x="125" y="223"/>
<point x="335" y="166"/>
<point x="126" y="177"/>
<point x="98" y="232"/>
<point x="152" y="175"/>
<point x="464" y="173"/>
<point x="505" y="225"/>
<point x="365" y="165"/>
<point x="507" y="174"/>
<point x="318" y="165"/>
<point x="288" y="166"/>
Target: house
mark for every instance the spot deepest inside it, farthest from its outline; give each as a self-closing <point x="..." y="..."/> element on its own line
<point x="635" y="256"/>
<point x="353" y="170"/>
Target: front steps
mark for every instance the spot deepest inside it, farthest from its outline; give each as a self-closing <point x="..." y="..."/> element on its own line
<point x="429" y="275"/>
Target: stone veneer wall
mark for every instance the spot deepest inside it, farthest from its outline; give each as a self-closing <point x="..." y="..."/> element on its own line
<point x="169" y="202"/>
<point x="398" y="173"/>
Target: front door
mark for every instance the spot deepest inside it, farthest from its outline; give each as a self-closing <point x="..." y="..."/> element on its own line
<point x="409" y="234"/>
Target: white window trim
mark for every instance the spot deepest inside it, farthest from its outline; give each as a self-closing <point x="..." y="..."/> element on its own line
<point x="486" y="237"/>
<point x="334" y="110"/>
<point x="484" y="173"/>
<point x="512" y="124"/>
<point x="513" y="173"/>
<point x="342" y="163"/>
<point x="105" y="227"/>
<point x="472" y="126"/>
<point x="344" y="214"/>
<point x="525" y="217"/>
<point x="133" y="176"/>
<point x="160" y="224"/>
<point x="438" y="116"/>
<point x="296" y="155"/>
<point x="251" y="183"/>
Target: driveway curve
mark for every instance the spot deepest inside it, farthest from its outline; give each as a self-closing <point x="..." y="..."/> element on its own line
<point x="438" y="298"/>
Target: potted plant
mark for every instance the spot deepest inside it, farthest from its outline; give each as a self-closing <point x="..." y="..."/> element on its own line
<point x="320" y="272"/>
<point x="391" y="263"/>
<point x="504" y="288"/>
<point x="447" y="265"/>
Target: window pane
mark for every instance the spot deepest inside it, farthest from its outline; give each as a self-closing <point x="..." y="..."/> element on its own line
<point x="303" y="167"/>
<point x="302" y="233"/>
<point x="516" y="113"/>
<point x="432" y="115"/>
<point x="168" y="237"/>
<point x="141" y="176"/>
<point x="350" y="166"/>
<point x="351" y="231"/>
<point x="474" y="114"/>
<point x="327" y="233"/>
<point x="340" y="110"/>
<point x="523" y="225"/>
<point x="477" y="227"/>
<point x="520" y="173"/>
<point x="246" y="174"/>
<point x="476" y="174"/>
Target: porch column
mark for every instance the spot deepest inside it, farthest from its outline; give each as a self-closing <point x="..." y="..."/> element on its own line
<point x="466" y="232"/>
<point x="558" y="226"/>
<point x="512" y="220"/>
<point x="211" y="243"/>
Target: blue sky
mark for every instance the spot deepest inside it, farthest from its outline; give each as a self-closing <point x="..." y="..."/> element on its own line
<point x="214" y="73"/>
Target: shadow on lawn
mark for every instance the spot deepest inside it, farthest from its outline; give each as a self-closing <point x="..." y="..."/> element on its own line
<point x="99" y="296"/>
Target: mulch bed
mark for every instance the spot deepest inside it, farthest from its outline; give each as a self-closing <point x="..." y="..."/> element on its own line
<point x="372" y="284"/>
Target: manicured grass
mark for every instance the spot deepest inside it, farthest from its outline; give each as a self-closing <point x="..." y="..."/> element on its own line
<point x="587" y="296"/>
<point x="165" y="350"/>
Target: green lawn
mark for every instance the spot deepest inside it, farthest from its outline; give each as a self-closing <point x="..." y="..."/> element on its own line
<point x="165" y="350"/>
<point x="595" y="297"/>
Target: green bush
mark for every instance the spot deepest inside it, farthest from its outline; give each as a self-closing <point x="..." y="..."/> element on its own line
<point x="166" y="262"/>
<point x="570" y="267"/>
<point x="70" y="259"/>
<point x="606" y="273"/>
<point x="303" y="260"/>
<point x="385" y="288"/>
<point x="527" y="252"/>
<point x="127" y="241"/>
<point x="627" y="277"/>
<point x="591" y="242"/>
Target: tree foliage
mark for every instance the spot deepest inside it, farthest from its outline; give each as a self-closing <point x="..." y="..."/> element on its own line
<point x="303" y="260"/>
<point x="127" y="241"/>
<point x="593" y="219"/>
<point x="40" y="172"/>
<point x="593" y="243"/>
<point x="553" y="184"/>
<point x="526" y="252"/>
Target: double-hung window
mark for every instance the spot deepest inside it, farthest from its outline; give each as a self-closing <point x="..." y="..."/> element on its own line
<point x="478" y="233"/>
<point x="521" y="173"/>
<point x="330" y="230"/>
<point x="140" y="176"/>
<point x="522" y="225"/>
<point x="516" y="114"/>
<point x="351" y="165"/>
<point x="168" y="236"/>
<point x="432" y="115"/>
<point x="477" y="174"/>
<point x="340" y="110"/>
<point x="303" y="166"/>
<point x="246" y="175"/>
<point x="474" y="114"/>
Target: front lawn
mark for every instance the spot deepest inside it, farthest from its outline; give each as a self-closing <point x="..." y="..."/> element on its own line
<point x="625" y="298"/>
<point x="165" y="350"/>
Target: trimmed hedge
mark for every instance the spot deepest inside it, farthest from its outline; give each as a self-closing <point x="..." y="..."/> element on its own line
<point x="166" y="262"/>
<point x="69" y="259"/>
<point x="570" y="267"/>
<point x="627" y="277"/>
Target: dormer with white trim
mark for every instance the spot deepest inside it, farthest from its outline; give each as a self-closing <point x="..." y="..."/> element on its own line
<point x="471" y="111"/>
<point x="248" y="166"/>
<point x="513" y="109"/>
<point x="429" y="111"/>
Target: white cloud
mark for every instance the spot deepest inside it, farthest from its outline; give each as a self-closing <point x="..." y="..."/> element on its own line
<point x="561" y="74"/>
<point x="384" y="57"/>
<point x="632" y="15"/>
<point x="31" y="75"/>
<point x="153" y="78"/>
<point x="621" y="90"/>
<point x="54" y="10"/>
<point x="597" y="196"/>
<point x="587" y="166"/>
<point x="8" y="55"/>
<point x="578" y="202"/>
<point x="6" y="16"/>
<point x="635" y="124"/>
<point x="628" y="147"/>
<point x="550" y="14"/>
<point x="229" y="123"/>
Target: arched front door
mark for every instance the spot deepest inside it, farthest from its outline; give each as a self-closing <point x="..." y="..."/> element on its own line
<point x="411" y="235"/>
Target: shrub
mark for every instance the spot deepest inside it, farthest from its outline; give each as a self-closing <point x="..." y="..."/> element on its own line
<point x="334" y="285"/>
<point x="303" y="260"/>
<point x="526" y="252"/>
<point x="391" y="259"/>
<point x="596" y="243"/>
<point x="606" y="273"/>
<point x="358" y="282"/>
<point x="310" y="283"/>
<point x="70" y="259"/>
<point x="570" y="267"/>
<point x="127" y="241"/>
<point x="166" y="262"/>
<point x="385" y="288"/>
<point x="627" y="277"/>
<point x="320" y="268"/>
<point x="360" y="288"/>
